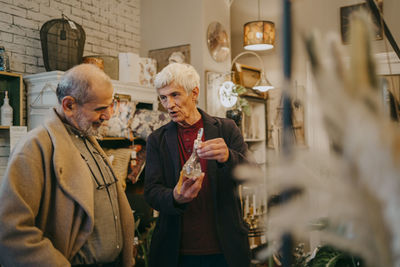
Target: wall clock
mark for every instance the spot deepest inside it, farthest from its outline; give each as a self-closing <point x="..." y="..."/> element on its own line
<point x="226" y="95"/>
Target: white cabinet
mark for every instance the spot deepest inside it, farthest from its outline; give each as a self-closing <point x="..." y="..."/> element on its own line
<point x="41" y="94"/>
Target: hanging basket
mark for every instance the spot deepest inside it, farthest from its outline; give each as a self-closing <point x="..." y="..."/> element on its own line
<point x="63" y="41"/>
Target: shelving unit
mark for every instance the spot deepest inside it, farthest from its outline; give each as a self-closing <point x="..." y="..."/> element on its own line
<point x="12" y="82"/>
<point x="254" y="199"/>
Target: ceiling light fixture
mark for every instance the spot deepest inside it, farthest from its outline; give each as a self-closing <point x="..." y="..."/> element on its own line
<point x="259" y="35"/>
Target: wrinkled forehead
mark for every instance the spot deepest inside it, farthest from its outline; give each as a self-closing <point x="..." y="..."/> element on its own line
<point x="100" y="89"/>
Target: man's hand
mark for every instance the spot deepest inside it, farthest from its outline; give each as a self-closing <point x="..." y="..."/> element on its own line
<point x="189" y="190"/>
<point x="214" y="149"/>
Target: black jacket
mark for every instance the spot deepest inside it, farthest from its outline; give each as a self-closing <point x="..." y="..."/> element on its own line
<point x="162" y="173"/>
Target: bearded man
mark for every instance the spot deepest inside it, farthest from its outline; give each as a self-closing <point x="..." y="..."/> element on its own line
<point x="61" y="203"/>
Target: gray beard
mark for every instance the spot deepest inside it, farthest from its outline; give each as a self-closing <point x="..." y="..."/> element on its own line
<point x="86" y="127"/>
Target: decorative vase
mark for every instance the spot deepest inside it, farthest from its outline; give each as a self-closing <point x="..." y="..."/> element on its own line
<point x="235" y="115"/>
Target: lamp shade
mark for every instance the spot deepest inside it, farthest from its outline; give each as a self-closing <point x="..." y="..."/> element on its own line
<point x="259" y="35"/>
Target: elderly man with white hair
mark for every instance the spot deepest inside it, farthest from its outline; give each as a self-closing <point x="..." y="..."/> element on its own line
<point x="200" y="222"/>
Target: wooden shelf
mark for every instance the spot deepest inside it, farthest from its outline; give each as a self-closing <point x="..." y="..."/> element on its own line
<point x="12" y="82"/>
<point x="4" y="127"/>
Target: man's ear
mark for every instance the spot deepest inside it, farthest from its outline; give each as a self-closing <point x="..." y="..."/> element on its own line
<point x="195" y="94"/>
<point x="69" y="105"/>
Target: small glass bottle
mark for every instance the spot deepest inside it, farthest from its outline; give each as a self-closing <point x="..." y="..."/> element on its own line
<point x="192" y="167"/>
<point x="6" y="112"/>
<point x="4" y="60"/>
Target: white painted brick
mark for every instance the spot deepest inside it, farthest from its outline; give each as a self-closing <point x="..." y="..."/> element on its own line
<point x="16" y="48"/>
<point x="90" y="8"/>
<point x="49" y="11"/>
<point x="24" y="58"/>
<point x="90" y="24"/>
<point x="27" y="41"/>
<point x="114" y="53"/>
<point x="39" y="17"/>
<point x="31" y="51"/>
<point x="101" y="20"/>
<point x="136" y="38"/>
<point x="44" y="2"/>
<point x="92" y="40"/>
<point x="74" y="18"/>
<point x="80" y="13"/>
<point x="33" y="33"/>
<point x="34" y="69"/>
<point x="17" y="66"/>
<point x="27" y="4"/>
<point x="100" y="50"/>
<point x="5" y="17"/>
<point x="124" y="34"/>
<point x="73" y="3"/>
<point x="25" y="23"/>
<point x="110" y="45"/>
<point x="6" y="27"/>
<point x="102" y="35"/>
<point x="106" y="29"/>
<point x="111" y="27"/>
<point x="6" y="37"/>
<point x="6" y="1"/>
<point x="40" y="62"/>
<point x="13" y="10"/>
<point x="132" y="29"/>
<point x="116" y="39"/>
<point x="66" y="9"/>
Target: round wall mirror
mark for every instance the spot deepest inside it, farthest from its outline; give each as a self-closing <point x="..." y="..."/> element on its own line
<point x="218" y="42"/>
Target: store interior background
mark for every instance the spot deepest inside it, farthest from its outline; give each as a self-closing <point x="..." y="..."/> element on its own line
<point x="138" y="26"/>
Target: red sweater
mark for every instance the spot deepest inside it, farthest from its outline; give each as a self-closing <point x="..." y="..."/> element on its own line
<point x="199" y="234"/>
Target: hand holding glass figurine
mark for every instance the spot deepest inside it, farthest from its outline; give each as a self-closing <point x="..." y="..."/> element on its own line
<point x="192" y="168"/>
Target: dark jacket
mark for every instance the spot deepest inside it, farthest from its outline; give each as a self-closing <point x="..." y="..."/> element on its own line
<point x="162" y="173"/>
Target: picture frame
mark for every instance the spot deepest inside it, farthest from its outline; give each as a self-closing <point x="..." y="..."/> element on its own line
<point x="247" y="76"/>
<point x="213" y="81"/>
<point x="346" y="13"/>
<point x="163" y="55"/>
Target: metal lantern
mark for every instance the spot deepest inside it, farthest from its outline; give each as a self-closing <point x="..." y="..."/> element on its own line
<point x="62" y="41"/>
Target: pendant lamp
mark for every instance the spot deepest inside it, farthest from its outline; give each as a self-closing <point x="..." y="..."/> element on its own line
<point x="259" y="35"/>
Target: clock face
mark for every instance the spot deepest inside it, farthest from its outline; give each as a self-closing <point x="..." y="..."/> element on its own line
<point x="227" y="97"/>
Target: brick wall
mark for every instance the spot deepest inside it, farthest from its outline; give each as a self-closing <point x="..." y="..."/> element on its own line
<point x="111" y="26"/>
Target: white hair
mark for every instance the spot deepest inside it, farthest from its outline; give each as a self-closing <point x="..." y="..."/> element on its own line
<point x="180" y="74"/>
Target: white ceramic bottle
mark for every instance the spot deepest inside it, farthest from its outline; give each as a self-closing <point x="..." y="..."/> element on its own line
<point x="6" y="112"/>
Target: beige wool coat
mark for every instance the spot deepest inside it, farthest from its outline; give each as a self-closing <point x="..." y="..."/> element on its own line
<point x="46" y="201"/>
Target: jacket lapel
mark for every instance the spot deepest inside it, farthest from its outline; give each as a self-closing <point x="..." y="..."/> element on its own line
<point x="70" y="169"/>
<point x="211" y="131"/>
<point x="171" y="136"/>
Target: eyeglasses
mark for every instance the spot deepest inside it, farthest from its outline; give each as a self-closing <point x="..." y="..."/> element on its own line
<point x="99" y="185"/>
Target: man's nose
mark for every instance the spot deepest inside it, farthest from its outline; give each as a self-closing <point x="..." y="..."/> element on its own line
<point x="170" y="102"/>
<point x="106" y="115"/>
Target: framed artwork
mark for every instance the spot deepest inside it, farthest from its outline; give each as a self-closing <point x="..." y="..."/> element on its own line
<point x="248" y="76"/>
<point x="214" y="81"/>
<point x="345" y="19"/>
<point x="164" y="56"/>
